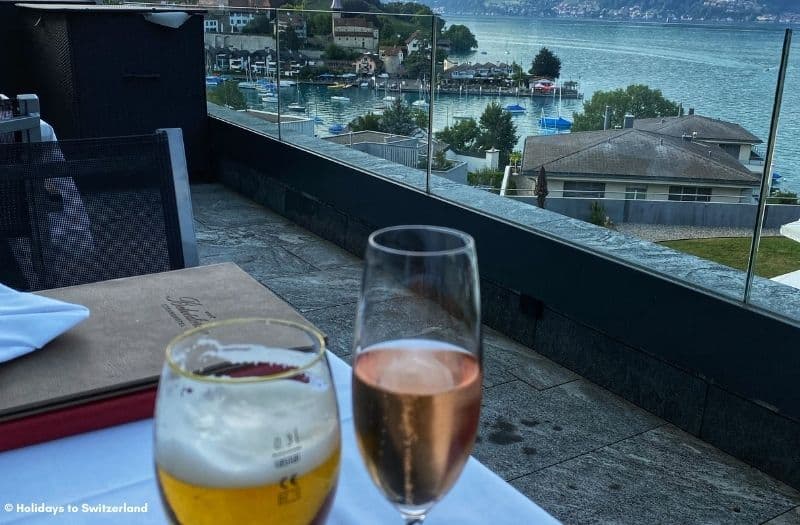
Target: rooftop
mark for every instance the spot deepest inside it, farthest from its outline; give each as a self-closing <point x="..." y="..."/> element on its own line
<point x="710" y="129"/>
<point x="633" y="153"/>
<point x="391" y="50"/>
<point x="582" y="453"/>
<point x="413" y="36"/>
<point x="352" y="22"/>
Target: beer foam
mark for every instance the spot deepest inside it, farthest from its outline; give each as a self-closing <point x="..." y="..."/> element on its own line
<point x="223" y="435"/>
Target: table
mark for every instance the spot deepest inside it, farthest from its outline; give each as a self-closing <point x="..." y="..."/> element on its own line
<point x="114" y="466"/>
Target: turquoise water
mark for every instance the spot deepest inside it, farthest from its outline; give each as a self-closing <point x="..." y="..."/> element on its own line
<point x="723" y="72"/>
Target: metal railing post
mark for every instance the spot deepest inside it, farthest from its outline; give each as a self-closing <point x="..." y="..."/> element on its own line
<point x="765" y="178"/>
<point x="430" y="106"/>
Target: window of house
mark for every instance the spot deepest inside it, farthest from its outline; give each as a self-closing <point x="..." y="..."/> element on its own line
<point x="584" y="189"/>
<point x="636" y="193"/>
<point x="690" y="193"/>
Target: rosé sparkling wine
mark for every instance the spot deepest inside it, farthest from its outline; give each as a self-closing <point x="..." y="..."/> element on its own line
<point x="416" y="404"/>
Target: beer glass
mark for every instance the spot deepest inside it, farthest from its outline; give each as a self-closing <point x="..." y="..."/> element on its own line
<point x="417" y="366"/>
<point x="247" y="425"/>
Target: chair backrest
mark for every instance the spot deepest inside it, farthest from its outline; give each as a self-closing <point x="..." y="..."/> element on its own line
<point x="97" y="209"/>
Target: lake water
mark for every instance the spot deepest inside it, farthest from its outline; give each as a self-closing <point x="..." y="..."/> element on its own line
<point x="728" y="73"/>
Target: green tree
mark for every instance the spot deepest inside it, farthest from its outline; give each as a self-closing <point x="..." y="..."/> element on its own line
<point x="461" y="38"/>
<point x="637" y="100"/>
<point x="319" y="24"/>
<point x="440" y="161"/>
<point x="227" y="94"/>
<point x="334" y="52"/>
<point x="368" y="122"/>
<point x="420" y="118"/>
<point x="546" y="64"/>
<point x="417" y="65"/>
<point x="777" y="196"/>
<point x="260" y="24"/>
<point x="485" y="177"/>
<point x="597" y="214"/>
<point x="461" y="136"/>
<point x="497" y="131"/>
<point x="398" y="119"/>
<point x="518" y="75"/>
<point x="290" y="40"/>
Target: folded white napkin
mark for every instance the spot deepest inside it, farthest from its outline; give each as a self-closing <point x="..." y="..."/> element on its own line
<point x="29" y="321"/>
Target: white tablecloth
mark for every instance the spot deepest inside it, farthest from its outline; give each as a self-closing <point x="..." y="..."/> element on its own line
<point x="114" y="466"/>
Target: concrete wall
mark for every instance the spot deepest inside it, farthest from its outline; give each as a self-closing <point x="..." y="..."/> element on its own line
<point x="457" y="173"/>
<point x="674" y="212"/>
<point x="473" y="163"/>
<point x="302" y="127"/>
<point x="402" y="152"/>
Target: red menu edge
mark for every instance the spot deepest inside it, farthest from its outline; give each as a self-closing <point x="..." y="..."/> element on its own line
<point x="77" y="419"/>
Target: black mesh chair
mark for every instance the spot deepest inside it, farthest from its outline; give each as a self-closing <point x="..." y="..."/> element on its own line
<point x="80" y="211"/>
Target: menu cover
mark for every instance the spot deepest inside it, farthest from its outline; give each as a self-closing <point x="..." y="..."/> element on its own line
<point x="105" y="371"/>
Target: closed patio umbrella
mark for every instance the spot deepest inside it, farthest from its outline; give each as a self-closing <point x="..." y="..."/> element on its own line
<point x="541" y="187"/>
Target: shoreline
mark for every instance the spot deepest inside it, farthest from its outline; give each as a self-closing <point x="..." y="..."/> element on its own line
<point x="706" y="24"/>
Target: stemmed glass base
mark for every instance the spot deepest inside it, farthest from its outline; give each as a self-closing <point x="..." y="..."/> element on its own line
<point x="414" y="515"/>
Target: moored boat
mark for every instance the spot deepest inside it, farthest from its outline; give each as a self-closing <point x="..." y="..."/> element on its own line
<point x="559" y="123"/>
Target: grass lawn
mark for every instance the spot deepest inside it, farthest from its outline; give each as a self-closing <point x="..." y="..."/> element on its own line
<point x="776" y="255"/>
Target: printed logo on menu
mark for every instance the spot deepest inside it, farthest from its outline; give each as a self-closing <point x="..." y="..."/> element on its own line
<point x="187" y="311"/>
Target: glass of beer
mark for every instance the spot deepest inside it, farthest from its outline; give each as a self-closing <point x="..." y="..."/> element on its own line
<point x="247" y="425"/>
<point x="417" y="366"/>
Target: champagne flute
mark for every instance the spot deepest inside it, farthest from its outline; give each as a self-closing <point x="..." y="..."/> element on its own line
<point x="417" y="367"/>
<point x="247" y="425"/>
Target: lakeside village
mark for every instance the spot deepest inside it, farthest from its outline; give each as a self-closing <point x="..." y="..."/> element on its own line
<point x="636" y="164"/>
<point x="341" y="51"/>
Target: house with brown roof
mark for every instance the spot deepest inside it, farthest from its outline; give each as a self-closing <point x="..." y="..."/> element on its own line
<point x="635" y="163"/>
<point x="368" y="64"/>
<point x="392" y="57"/>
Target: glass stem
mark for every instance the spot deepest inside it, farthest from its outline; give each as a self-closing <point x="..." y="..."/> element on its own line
<point x="414" y="520"/>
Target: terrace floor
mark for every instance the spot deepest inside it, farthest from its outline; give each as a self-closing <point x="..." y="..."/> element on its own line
<point x="580" y="452"/>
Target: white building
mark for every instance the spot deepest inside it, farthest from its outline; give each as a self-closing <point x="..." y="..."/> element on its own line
<point x="352" y="33"/>
<point x="355" y="33"/>
<point x="238" y="20"/>
<point x="414" y="43"/>
<point x="212" y="25"/>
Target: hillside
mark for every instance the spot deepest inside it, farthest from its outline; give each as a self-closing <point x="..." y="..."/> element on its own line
<point x="688" y="10"/>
